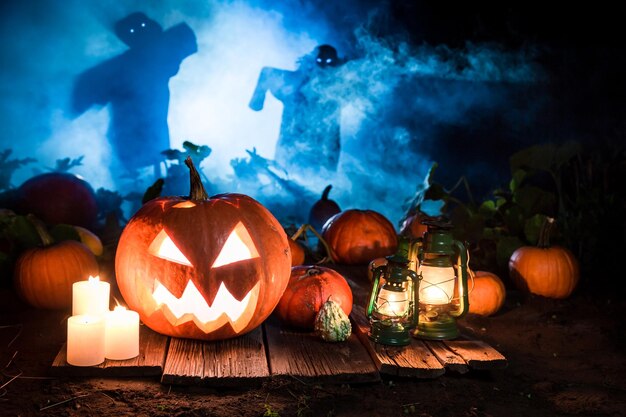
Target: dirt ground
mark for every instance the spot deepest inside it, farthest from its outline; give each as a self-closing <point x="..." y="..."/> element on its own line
<point x="565" y="357"/>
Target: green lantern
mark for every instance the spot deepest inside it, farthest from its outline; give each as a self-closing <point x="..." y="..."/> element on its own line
<point x="442" y="272"/>
<point x="392" y="308"/>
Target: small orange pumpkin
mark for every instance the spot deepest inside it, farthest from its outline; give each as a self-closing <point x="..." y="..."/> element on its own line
<point x="297" y="253"/>
<point x="43" y="276"/>
<point x="487" y="295"/>
<point x="550" y="271"/>
<point x="308" y="289"/>
<point x="358" y="236"/>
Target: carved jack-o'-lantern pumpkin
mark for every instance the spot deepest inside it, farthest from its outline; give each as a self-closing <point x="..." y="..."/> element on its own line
<point x="203" y="268"/>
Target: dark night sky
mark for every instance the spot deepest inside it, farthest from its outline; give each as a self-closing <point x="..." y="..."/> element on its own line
<point x="469" y="125"/>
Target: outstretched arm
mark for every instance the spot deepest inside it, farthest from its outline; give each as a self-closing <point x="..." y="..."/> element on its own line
<point x="272" y="79"/>
<point x="94" y="85"/>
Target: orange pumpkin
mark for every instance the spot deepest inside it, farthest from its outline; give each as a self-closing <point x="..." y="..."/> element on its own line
<point x="358" y="236"/>
<point x="550" y="271"/>
<point x="200" y="267"/>
<point x="43" y="276"/>
<point x="297" y="253"/>
<point x="488" y="294"/>
<point x="308" y="289"/>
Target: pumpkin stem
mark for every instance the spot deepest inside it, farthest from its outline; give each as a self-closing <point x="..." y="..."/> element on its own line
<point x="312" y="271"/>
<point x="544" y="233"/>
<point x="42" y="231"/>
<point x="196" y="188"/>
<point x="326" y="191"/>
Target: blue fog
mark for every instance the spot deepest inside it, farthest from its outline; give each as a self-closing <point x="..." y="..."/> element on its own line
<point x="403" y="106"/>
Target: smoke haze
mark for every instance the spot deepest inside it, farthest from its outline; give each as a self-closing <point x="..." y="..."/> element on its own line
<point x="404" y="106"/>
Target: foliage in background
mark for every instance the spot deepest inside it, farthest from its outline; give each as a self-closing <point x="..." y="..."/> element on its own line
<point x="66" y="164"/>
<point x="177" y="175"/>
<point x="582" y="187"/>
<point x="17" y="234"/>
<point x="9" y="166"/>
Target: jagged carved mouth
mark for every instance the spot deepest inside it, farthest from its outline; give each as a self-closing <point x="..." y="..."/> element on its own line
<point x="191" y="306"/>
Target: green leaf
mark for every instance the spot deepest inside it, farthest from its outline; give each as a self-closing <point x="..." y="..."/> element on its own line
<point x="23" y="233"/>
<point x="535" y="157"/>
<point x="66" y="164"/>
<point x="505" y="248"/>
<point x="500" y="201"/>
<point x="199" y="152"/>
<point x="534" y="200"/>
<point x="488" y="209"/>
<point x="532" y="228"/>
<point x="61" y="232"/>
<point x="566" y="152"/>
<point x="153" y="191"/>
<point x="517" y="179"/>
<point x="514" y="219"/>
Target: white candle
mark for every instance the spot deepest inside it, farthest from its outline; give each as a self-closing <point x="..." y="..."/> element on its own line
<point x="85" y="340"/>
<point x="90" y="297"/>
<point x="121" y="334"/>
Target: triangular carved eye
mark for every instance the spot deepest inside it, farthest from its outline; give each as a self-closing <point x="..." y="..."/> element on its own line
<point x="238" y="247"/>
<point x="163" y="247"/>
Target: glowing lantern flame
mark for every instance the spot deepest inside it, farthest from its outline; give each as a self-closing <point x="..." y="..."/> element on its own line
<point x="437" y="285"/>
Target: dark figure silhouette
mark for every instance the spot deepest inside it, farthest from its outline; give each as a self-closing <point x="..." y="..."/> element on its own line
<point x="309" y="131"/>
<point x="135" y="83"/>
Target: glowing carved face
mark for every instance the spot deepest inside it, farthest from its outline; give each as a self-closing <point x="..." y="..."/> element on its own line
<point x="191" y="305"/>
<point x="206" y="270"/>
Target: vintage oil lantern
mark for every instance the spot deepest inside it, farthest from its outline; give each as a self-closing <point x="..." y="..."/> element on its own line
<point x="442" y="273"/>
<point x="392" y="308"/>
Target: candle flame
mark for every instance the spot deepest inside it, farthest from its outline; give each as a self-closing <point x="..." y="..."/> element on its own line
<point x="117" y="302"/>
<point x="94" y="280"/>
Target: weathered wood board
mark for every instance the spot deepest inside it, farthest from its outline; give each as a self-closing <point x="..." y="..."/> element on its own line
<point x="414" y="360"/>
<point x="152" y="352"/>
<point x="450" y="360"/>
<point x="477" y="354"/>
<point x="303" y="355"/>
<point x="427" y="359"/>
<point x="233" y="362"/>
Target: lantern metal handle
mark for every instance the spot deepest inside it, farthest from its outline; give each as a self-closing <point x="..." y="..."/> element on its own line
<point x="376" y="274"/>
<point x="462" y="268"/>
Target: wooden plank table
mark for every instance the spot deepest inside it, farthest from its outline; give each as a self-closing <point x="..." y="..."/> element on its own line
<point x="305" y="356"/>
<point x="427" y="358"/>
<point x="274" y="351"/>
<point x="152" y="352"/>
<point x="231" y="362"/>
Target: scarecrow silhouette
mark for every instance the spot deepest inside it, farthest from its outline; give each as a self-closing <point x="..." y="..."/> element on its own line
<point x="309" y="131"/>
<point x="135" y="84"/>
